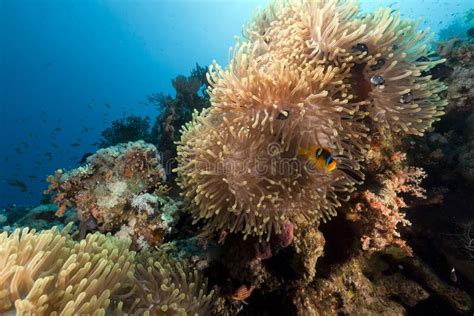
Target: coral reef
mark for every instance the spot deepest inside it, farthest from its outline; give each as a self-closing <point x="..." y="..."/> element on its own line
<point x="306" y="73"/>
<point x="419" y="270"/>
<point x="359" y="88"/>
<point x="44" y="217"/>
<point x="39" y="218"/>
<point x="345" y="291"/>
<point x="459" y="77"/>
<point x="380" y="213"/>
<point x="318" y="182"/>
<point x="367" y="286"/>
<point x="175" y="112"/>
<point x="118" y="188"/>
<point x="445" y="153"/>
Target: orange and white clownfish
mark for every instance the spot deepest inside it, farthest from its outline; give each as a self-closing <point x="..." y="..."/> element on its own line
<point x="319" y="156"/>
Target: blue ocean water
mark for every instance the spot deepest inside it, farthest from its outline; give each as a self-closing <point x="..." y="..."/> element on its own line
<point x="69" y="68"/>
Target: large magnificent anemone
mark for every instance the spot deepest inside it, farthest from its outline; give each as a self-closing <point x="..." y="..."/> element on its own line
<point x="383" y="58"/>
<point x="239" y="160"/>
<point x="306" y="74"/>
<point x="49" y="273"/>
<point x="166" y="286"/>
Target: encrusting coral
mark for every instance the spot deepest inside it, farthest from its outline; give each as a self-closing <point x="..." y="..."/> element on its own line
<point x="118" y="187"/>
<point x="48" y="273"/>
<point x="306" y="73"/>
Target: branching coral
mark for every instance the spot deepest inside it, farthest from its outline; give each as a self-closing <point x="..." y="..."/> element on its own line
<point x="174" y="112"/>
<point x="109" y="190"/>
<point x="48" y="273"/>
<point x="306" y="73"/>
<point x="381" y="213"/>
<point x="127" y="129"/>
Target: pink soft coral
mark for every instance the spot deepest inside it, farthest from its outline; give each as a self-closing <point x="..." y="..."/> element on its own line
<point x="381" y="212"/>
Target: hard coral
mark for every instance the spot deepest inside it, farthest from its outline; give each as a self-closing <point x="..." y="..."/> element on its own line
<point x="111" y="189"/>
<point x="306" y="73"/>
<point x="347" y="291"/>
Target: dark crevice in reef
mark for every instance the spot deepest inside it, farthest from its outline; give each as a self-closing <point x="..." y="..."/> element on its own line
<point x="440" y="153"/>
<point x="433" y="305"/>
<point x="338" y="247"/>
<point x="186" y="229"/>
<point x="270" y="304"/>
<point x="360" y="86"/>
<point x="280" y="264"/>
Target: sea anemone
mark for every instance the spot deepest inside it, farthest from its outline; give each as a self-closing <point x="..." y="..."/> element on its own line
<point x="166" y="286"/>
<point x="245" y="147"/>
<point x="362" y="46"/>
<point x="48" y="273"/>
<point x="306" y="73"/>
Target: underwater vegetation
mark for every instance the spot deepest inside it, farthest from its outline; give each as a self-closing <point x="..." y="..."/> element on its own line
<point x="314" y="175"/>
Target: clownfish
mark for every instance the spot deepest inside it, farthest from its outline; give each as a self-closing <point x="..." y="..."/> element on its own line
<point x="320" y="157"/>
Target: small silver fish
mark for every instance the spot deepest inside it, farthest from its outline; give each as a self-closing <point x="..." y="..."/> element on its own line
<point x="377" y="80"/>
<point x="453" y="275"/>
